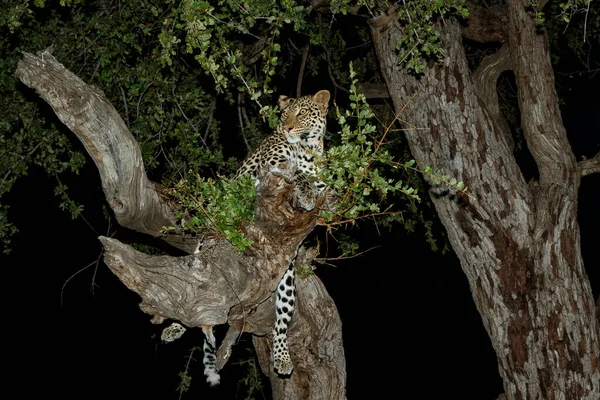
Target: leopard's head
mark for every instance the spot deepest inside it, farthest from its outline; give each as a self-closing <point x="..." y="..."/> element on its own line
<point x="304" y="118"/>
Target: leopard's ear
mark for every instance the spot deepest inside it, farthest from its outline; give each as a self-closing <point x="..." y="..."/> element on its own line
<point x="284" y="101"/>
<point x="322" y="99"/>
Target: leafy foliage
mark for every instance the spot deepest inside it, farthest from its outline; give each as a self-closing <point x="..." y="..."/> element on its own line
<point x="421" y="41"/>
<point x="356" y="168"/>
<point x="140" y="54"/>
<point x="217" y="207"/>
<point x="115" y="49"/>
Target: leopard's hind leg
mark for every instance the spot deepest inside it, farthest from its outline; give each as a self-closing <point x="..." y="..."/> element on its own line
<point x="284" y="309"/>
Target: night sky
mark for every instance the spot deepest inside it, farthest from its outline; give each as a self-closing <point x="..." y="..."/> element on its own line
<point x="409" y="323"/>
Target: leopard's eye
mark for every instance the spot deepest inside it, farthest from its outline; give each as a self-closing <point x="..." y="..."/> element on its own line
<point x="303" y="111"/>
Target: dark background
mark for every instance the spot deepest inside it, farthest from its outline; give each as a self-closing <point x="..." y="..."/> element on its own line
<point x="410" y="327"/>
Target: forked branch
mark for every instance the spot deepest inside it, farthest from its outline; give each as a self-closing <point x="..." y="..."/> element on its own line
<point x="216" y="284"/>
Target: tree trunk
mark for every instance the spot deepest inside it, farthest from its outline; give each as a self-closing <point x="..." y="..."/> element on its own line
<point x="215" y="285"/>
<point x="518" y="243"/>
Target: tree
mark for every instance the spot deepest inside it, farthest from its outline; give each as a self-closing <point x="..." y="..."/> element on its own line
<point x="518" y="243"/>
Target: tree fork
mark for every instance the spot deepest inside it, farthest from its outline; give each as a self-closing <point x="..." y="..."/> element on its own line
<point x="518" y="244"/>
<point x="215" y="284"/>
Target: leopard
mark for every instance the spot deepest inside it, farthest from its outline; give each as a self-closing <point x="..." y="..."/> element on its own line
<point x="299" y="139"/>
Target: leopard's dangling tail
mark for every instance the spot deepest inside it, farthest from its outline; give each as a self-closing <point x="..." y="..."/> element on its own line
<point x="284" y="306"/>
<point x="210" y="357"/>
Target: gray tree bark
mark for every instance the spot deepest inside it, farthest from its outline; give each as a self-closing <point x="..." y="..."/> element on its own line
<point x="518" y="242"/>
<point x="214" y="285"/>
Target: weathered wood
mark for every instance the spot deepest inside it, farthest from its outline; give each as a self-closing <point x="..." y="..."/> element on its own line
<point x="319" y="377"/>
<point x="215" y="285"/>
<point x="90" y="116"/>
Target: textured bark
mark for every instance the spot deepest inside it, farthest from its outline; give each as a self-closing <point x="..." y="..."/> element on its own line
<point x="485" y="24"/>
<point x="518" y="244"/>
<point x="85" y="110"/>
<point x="317" y="313"/>
<point x="215" y="285"/>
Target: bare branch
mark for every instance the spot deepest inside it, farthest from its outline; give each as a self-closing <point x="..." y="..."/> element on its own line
<point x="590" y="165"/>
<point x="302" y="67"/>
<point x="90" y="116"/>
<point x="195" y="289"/>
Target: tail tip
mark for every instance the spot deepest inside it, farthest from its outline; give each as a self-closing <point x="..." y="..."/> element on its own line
<point x="283" y="367"/>
<point x="212" y="377"/>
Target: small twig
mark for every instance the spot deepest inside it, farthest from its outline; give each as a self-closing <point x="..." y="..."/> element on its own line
<point x="232" y="25"/>
<point x="186" y="117"/>
<point x="125" y="104"/>
<point x="79" y="215"/>
<point x="240" y="108"/>
<point x="140" y="99"/>
<point x="349" y="220"/>
<point x="347" y="257"/>
<point x="587" y="11"/>
<point x="213" y="105"/>
<point x="330" y="71"/>
<point x="95" y="70"/>
<point x="187" y="367"/>
<point x="239" y="73"/>
<point x="62" y="290"/>
<point x="368" y="42"/>
<point x="24" y="158"/>
<point x="396" y="117"/>
<point x="328" y="55"/>
<point x="302" y="67"/>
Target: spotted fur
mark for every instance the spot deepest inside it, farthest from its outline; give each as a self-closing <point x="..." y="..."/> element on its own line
<point x="284" y="310"/>
<point x="298" y="139"/>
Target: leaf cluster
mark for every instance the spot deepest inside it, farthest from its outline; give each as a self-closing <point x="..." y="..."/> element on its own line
<point x="360" y="167"/>
<point x="112" y="46"/>
<point x="228" y="38"/>
<point x="216" y="207"/>
<point x="421" y="40"/>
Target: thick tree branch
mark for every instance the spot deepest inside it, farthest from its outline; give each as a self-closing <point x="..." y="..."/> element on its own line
<point x="488" y="24"/>
<point x="318" y="375"/>
<point x="317" y="313"/>
<point x="215" y="285"/>
<point x="485" y="24"/>
<point x="196" y="290"/>
<point x="302" y="67"/>
<point x="540" y="114"/>
<point x="487" y="74"/>
<point x="486" y="79"/>
<point x="518" y="243"/>
<point x="590" y="166"/>
<point x="85" y="110"/>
